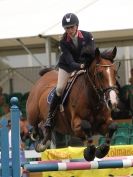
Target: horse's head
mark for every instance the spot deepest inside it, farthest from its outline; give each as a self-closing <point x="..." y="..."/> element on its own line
<point x="103" y="74"/>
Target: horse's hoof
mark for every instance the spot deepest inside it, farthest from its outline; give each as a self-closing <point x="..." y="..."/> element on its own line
<point x="40" y="147"/>
<point x="89" y="153"/>
<point x="102" y="150"/>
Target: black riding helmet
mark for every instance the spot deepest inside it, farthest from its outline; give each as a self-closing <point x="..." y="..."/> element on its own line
<point x="70" y="19"/>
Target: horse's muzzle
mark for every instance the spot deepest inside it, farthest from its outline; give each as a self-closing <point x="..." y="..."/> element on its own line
<point x="112" y="107"/>
<point x="112" y="101"/>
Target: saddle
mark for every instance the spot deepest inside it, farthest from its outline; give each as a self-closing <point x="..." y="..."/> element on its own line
<point x="67" y="89"/>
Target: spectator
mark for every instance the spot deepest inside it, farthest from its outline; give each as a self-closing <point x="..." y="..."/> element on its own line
<point x="131" y="78"/>
<point x="25" y="134"/>
<point x="22" y="154"/>
<point x="126" y="95"/>
<point x="4" y="108"/>
<point x="126" y="100"/>
<point x="130" y="91"/>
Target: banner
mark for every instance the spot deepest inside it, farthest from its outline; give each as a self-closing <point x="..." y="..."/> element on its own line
<point x="115" y="172"/>
<point x="77" y="152"/>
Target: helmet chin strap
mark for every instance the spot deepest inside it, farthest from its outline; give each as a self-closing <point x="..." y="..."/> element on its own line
<point x="75" y="34"/>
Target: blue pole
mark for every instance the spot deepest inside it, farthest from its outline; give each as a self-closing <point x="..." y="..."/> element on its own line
<point x="64" y="166"/>
<point x="5" y="170"/>
<point x="15" y="137"/>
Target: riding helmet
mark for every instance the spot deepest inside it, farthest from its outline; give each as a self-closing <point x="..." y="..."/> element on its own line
<point x="70" y="19"/>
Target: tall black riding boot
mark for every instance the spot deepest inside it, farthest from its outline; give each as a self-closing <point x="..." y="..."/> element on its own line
<point x="47" y="127"/>
<point x="52" y="111"/>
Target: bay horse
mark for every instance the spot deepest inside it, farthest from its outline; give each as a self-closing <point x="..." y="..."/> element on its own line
<point x="87" y="109"/>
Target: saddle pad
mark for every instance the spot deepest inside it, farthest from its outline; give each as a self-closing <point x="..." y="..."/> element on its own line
<point x="50" y="95"/>
<point x="67" y="89"/>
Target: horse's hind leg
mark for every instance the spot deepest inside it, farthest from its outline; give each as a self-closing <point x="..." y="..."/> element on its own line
<point x="103" y="149"/>
<point x="40" y="144"/>
<point x="89" y="152"/>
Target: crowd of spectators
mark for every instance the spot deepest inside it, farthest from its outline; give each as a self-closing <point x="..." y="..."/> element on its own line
<point x="126" y="100"/>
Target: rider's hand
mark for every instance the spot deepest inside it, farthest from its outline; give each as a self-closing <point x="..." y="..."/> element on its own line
<point x="82" y="66"/>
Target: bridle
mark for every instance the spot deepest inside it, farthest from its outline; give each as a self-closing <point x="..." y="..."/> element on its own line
<point x="100" y="92"/>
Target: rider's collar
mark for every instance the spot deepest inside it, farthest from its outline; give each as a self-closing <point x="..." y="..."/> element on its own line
<point x="79" y="35"/>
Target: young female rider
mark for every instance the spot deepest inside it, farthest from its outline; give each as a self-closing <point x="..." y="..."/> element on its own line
<point x="71" y="45"/>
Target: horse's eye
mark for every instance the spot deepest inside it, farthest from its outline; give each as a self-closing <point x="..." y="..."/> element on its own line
<point x="100" y="75"/>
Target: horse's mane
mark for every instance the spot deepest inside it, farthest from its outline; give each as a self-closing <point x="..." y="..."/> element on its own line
<point x="44" y="71"/>
<point x="90" y="52"/>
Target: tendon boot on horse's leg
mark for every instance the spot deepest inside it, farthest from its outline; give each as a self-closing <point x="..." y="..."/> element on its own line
<point x="49" y="124"/>
<point x="103" y="149"/>
<point x="89" y="152"/>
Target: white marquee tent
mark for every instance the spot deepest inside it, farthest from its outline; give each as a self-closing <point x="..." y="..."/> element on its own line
<point x="26" y="19"/>
<point x="22" y="21"/>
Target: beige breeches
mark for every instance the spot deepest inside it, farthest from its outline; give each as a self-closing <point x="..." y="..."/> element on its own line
<point x="62" y="81"/>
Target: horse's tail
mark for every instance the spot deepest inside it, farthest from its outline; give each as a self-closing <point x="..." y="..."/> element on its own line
<point x="44" y="71"/>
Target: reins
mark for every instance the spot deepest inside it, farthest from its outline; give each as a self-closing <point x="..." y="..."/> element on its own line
<point x="99" y="91"/>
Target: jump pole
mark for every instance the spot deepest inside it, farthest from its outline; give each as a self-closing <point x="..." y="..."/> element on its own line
<point x="103" y="164"/>
<point x="78" y="160"/>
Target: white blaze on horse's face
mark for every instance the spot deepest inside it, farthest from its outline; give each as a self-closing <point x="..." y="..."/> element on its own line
<point x="113" y="97"/>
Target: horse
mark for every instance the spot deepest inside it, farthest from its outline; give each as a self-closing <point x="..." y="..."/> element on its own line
<point x="87" y="108"/>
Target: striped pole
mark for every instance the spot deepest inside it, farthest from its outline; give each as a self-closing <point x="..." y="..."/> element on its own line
<point x="77" y="160"/>
<point x="103" y="164"/>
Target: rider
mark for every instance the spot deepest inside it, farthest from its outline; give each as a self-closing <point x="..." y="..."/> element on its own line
<point x="71" y="45"/>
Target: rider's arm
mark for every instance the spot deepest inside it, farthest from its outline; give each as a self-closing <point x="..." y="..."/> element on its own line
<point x="68" y="58"/>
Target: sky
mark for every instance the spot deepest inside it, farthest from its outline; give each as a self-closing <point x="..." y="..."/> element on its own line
<point x="25" y="18"/>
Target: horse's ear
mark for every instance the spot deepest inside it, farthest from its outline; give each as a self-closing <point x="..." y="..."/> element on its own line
<point x="114" y="52"/>
<point x="97" y="55"/>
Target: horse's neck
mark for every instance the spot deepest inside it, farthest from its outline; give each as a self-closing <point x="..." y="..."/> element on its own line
<point x="91" y="93"/>
<point x="85" y="87"/>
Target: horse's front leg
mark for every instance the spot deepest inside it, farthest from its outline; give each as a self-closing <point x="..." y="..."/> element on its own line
<point x="103" y="149"/>
<point x="89" y="152"/>
<point x="111" y="130"/>
<point x="82" y="128"/>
